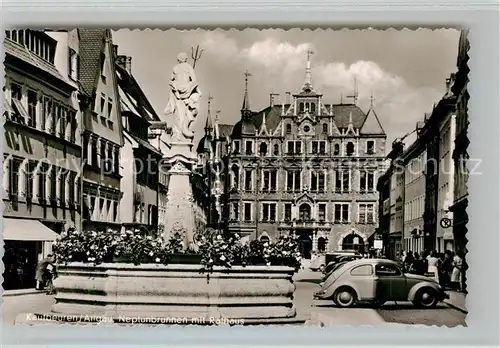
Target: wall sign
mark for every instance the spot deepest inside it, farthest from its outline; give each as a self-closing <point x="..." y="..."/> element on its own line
<point x="445" y="223"/>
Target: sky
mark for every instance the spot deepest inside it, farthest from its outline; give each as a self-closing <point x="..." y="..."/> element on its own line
<point x="404" y="70"/>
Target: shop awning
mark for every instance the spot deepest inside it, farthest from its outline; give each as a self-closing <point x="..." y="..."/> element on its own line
<point x="27" y="230"/>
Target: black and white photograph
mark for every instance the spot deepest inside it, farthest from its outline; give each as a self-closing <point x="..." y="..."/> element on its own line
<point x="236" y="177"/>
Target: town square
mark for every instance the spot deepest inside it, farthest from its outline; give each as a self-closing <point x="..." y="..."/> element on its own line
<point x="236" y="177"/>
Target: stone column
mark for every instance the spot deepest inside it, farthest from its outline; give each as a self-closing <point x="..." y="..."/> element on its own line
<point x="179" y="215"/>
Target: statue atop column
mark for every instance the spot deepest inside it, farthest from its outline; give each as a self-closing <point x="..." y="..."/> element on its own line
<point x="184" y="100"/>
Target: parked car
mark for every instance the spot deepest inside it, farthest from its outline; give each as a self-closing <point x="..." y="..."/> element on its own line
<point x="339" y="259"/>
<point x="318" y="264"/>
<point x="378" y="281"/>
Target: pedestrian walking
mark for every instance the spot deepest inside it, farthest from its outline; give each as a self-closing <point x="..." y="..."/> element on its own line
<point x="446" y="268"/>
<point x="433" y="265"/>
<point x="456" y="273"/>
<point x="408" y="261"/>
<point x="44" y="274"/>
<point x="418" y="266"/>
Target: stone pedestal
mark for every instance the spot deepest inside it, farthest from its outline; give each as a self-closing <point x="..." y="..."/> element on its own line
<point x="179" y="214"/>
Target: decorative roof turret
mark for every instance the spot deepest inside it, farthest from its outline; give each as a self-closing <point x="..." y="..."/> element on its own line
<point x="246" y="113"/>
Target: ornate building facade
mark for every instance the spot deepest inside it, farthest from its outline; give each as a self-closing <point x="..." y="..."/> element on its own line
<point x="303" y="166"/>
<point x="41" y="164"/>
<point x="102" y="134"/>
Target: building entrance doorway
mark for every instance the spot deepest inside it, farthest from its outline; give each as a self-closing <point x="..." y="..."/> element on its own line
<point x="305" y="243"/>
<point x="353" y="241"/>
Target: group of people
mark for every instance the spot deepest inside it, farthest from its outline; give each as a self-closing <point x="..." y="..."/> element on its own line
<point x="446" y="268"/>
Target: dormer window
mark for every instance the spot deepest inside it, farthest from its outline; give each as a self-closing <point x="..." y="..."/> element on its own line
<point x="350" y="149"/>
<point x="248" y="147"/>
<point x="336" y="150"/>
<point x="325" y="128"/>
<point x="288" y="128"/>
<point x="370" y="147"/>
<point x="276" y="150"/>
<point x="236" y="147"/>
<point x="263" y="149"/>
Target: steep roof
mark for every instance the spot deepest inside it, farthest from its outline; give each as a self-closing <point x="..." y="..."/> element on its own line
<point x="134" y="95"/>
<point x="92" y="43"/>
<point x="225" y="130"/>
<point x="342" y="113"/>
<point x="372" y="124"/>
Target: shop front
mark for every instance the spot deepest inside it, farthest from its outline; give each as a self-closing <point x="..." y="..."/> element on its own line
<point x="26" y="243"/>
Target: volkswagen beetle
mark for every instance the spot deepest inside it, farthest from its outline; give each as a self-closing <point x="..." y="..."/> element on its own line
<point x="378" y="281"/>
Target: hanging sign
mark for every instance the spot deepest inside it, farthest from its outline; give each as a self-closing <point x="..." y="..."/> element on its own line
<point x="445" y="223"/>
<point x="355" y="240"/>
<point x="378" y="244"/>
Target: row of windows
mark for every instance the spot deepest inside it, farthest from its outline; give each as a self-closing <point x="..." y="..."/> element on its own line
<point x="99" y="153"/>
<point x="295" y="147"/>
<point x="36" y="110"/>
<point x="414" y="209"/>
<point x="268" y="212"/>
<point x="144" y="216"/>
<point x="29" y="179"/>
<point x="294" y="181"/>
<point x="415" y="168"/>
<point x="37" y="42"/>
<point x="103" y="209"/>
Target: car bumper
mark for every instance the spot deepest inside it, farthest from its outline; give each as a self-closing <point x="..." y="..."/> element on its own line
<point x="319" y="296"/>
<point x="443" y="296"/>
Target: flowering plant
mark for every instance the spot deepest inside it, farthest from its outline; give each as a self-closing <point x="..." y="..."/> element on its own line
<point x="214" y="249"/>
<point x="108" y="246"/>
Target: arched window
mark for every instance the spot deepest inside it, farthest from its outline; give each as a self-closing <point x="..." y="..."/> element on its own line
<point x="276" y="150"/>
<point x="321" y="244"/>
<point x="263" y="148"/>
<point x="288" y="128"/>
<point x="263" y="238"/>
<point x="305" y="212"/>
<point x="301" y="107"/>
<point x="350" y="149"/>
<point x="336" y="149"/>
<point x="325" y="128"/>
<point x="313" y="108"/>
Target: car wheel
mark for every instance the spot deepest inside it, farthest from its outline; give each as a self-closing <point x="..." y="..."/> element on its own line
<point x="345" y="297"/>
<point x="426" y="298"/>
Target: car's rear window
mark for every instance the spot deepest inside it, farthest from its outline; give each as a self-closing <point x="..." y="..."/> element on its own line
<point x="363" y="270"/>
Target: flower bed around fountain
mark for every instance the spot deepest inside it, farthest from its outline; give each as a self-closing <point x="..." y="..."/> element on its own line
<point x="134" y="276"/>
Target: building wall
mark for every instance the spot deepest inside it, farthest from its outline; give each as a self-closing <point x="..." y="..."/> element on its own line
<point x="50" y="197"/>
<point x="446" y="185"/>
<point x="103" y="140"/>
<point x="331" y="163"/>
<point x="414" y="203"/>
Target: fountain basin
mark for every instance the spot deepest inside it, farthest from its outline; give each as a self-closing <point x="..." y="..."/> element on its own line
<point x="175" y="292"/>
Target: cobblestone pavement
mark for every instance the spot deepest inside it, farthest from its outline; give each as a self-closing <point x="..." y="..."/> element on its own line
<point x="33" y="303"/>
<point x="406" y="313"/>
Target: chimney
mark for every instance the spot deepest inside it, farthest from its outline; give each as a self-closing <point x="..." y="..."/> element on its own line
<point x="125" y="62"/>
<point x="271" y="98"/>
<point x="449" y="83"/>
<point x="288" y="98"/>
<point x="420" y="126"/>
